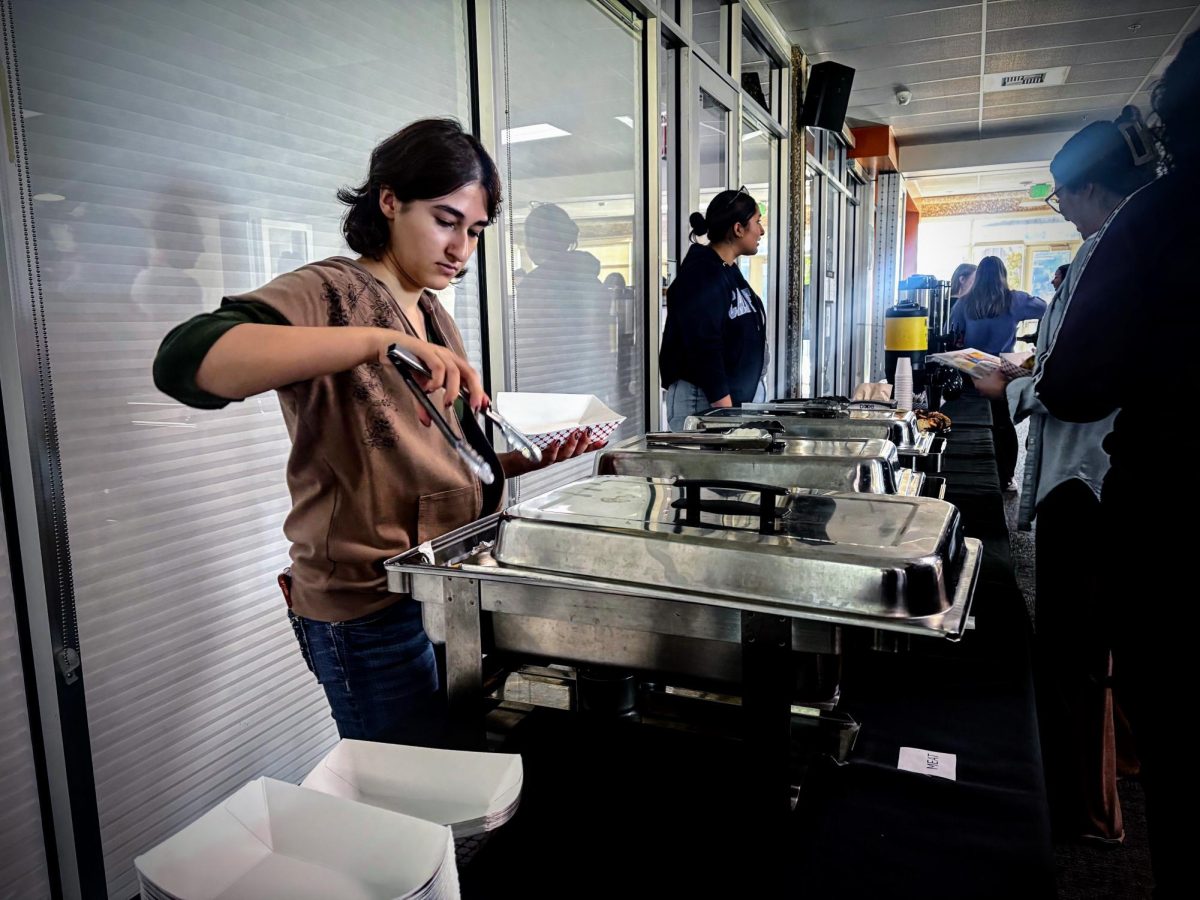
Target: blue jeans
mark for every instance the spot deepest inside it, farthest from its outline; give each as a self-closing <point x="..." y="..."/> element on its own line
<point x="684" y="399"/>
<point x="379" y="674"/>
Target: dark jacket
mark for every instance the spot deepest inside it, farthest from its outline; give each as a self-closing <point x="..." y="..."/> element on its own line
<point x="715" y="336"/>
<point x="1126" y="338"/>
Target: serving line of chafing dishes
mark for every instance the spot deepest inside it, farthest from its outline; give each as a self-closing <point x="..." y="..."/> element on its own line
<point x="758" y="456"/>
<point x="734" y="587"/>
<point x="832" y="419"/>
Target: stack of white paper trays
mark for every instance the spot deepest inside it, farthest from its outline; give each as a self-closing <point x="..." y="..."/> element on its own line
<point x="473" y="793"/>
<point x="276" y="840"/>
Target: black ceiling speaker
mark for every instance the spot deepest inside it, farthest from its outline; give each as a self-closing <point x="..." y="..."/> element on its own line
<point x="827" y="96"/>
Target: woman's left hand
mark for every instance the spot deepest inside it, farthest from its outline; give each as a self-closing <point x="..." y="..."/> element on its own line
<point x="575" y="444"/>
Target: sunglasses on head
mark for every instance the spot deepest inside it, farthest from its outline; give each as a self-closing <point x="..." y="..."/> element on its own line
<point x="762" y="207"/>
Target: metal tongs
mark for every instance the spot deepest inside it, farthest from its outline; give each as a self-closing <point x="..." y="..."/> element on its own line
<point x="518" y="439"/>
<point x="406" y="364"/>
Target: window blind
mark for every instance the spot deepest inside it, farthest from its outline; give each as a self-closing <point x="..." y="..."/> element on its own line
<point x="22" y="850"/>
<point x="180" y="152"/>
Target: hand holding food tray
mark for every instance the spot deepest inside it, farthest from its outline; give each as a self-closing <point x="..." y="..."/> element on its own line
<point x="978" y="364"/>
<point x="546" y="418"/>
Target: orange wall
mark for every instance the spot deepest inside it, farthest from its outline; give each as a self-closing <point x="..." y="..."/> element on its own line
<point x="912" y="220"/>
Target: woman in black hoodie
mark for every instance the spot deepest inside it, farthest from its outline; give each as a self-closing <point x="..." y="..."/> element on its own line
<point x="715" y="341"/>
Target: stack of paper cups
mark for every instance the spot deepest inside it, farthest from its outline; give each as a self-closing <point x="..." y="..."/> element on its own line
<point x="903" y="394"/>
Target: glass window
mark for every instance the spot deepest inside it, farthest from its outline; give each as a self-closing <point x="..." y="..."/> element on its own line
<point x="178" y="157"/>
<point x="812" y="143"/>
<point x="808" y="315"/>
<point x="668" y="170"/>
<point x="758" y="154"/>
<point x="573" y="318"/>
<point x="831" y="222"/>
<point x="708" y="30"/>
<point x="758" y="148"/>
<point x="757" y="65"/>
<point x="834" y="155"/>
<point x="714" y="148"/>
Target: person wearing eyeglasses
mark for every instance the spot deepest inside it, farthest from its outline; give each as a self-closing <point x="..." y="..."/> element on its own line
<point x="1127" y="345"/>
<point x="714" y="346"/>
<point x="1065" y="466"/>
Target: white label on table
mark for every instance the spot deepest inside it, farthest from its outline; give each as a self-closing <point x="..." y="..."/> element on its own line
<point x="929" y="762"/>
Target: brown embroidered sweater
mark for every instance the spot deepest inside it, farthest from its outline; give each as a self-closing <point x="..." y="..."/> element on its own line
<point x="367" y="480"/>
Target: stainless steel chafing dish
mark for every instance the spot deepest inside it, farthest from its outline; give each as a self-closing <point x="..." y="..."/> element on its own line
<point x="757" y="456"/>
<point x="917" y="449"/>
<point x="659" y="575"/>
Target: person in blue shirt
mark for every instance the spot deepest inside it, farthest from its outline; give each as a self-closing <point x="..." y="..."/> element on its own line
<point x="987" y="316"/>
<point x="986" y="319"/>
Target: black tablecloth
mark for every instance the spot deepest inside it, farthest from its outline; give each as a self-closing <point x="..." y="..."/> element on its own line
<point x="631" y="812"/>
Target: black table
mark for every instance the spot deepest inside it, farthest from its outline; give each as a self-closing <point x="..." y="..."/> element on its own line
<point x="611" y="811"/>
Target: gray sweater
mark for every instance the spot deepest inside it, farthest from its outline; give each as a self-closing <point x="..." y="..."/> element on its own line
<point x="1057" y="451"/>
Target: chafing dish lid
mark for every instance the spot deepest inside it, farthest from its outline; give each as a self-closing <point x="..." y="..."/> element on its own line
<point x="855" y="465"/>
<point x="863" y="553"/>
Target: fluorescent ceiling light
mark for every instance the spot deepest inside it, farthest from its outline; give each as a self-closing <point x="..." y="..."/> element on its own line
<point x="751" y="135"/>
<point x="537" y="132"/>
<point x="49" y="198"/>
<point x="625" y="120"/>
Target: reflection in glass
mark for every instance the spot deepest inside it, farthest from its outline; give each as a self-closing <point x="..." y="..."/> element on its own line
<point x="714" y="148"/>
<point x="758" y="150"/>
<point x="830" y="294"/>
<point x="667" y="174"/>
<point x="706" y="29"/>
<point x="573" y="323"/>
<point x="808" y="314"/>
<point x="756" y="70"/>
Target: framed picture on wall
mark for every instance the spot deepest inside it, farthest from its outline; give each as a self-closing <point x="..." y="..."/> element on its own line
<point x="1013" y="257"/>
<point x="1043" y="263"/>
<point x="285" y="246"/>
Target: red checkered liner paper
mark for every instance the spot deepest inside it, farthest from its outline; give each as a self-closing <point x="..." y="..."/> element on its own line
<point x="546" y="418"/>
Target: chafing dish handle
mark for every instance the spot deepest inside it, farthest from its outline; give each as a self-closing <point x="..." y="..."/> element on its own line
<point x="767" y="513"/>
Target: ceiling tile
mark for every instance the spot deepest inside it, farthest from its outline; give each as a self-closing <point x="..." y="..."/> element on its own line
<point x="1129" y="68"/>
<point x="1021" y="13"/>
<point x="1081" y="104"/>
<point x="950" y="117"/>
<point x="1094" y="31"/>
<point x="919" y="73"/>
<point x="1078" y="54"/>
<point x="890" y="30"/>
<point x="921" y="92"/>
<point x="885" y="55"/>
<point x="1121" y="87"/>
<point x="794" y="15"/>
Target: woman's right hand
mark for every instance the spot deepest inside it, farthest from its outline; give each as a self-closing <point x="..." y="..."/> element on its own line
<point x="447" y="369"/>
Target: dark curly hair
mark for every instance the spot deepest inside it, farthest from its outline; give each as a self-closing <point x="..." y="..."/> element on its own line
<point x="1175" y="99"/>
<point x="426" y="159"/>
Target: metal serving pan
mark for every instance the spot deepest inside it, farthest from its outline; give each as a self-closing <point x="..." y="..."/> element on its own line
<point x="877" y="562"/>
<point x="757" y="456"/>
<point x="877" y="556"/>
<point x="916" y="448"/>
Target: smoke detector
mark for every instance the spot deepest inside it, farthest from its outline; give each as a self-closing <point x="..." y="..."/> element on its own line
<point x="903" y="96"/>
